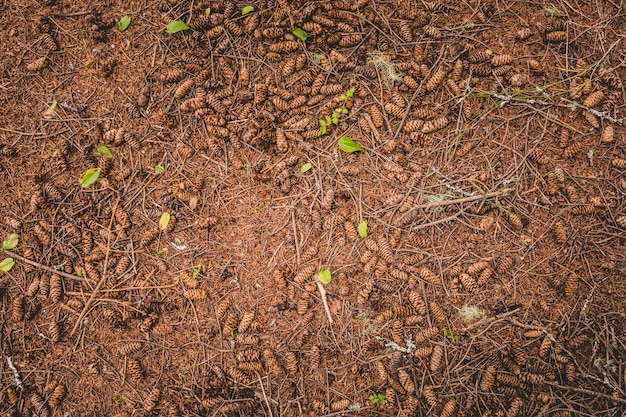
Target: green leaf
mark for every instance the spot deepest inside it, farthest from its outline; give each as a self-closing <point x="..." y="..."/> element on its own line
<point x="11" y="242"/>
<point x="246" y="10"/>
<point x="54" y="105"/>
<point x="7" y="264"/>
<point x="164" y="220"/>
<point x="328" y="120"/>
<point x="322" y="127"/>
<point x="103" y="150"/>
<point x="362" y="229"/>
<point x="350" y="92"/>
<point x="89" y="177"/>
<point x="378" y="398"/>
<point x="159" y="169"/>
<point x="304" y="168"/>
<point x="344" y="111"/>
<point x="123" y="23"/>
<point x="324" y="276"/>
<point x="79" y="272"/>
<point x="160" y="252"/>
<point x="196" y="271"/>
<point x="346" y="144"/>
<point x="207" y="11"/>
<point x="300" y="34"/>
<point x="176" y="26"/>
<point x="334" y="118"/>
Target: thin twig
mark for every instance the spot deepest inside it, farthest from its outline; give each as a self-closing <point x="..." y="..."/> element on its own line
<point x="269" y="409"/>
<point x="322" y="290"/>
<point x="586" y="391"/>
<point x="96" y="290"/>
<point x="41" y="266"/>
<point x="461" y="200"/>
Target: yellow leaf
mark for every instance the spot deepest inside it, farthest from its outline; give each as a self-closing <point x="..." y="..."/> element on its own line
<point x="164" y="220"/>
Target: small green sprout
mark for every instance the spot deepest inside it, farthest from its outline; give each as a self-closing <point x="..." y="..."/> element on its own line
<point x="11" y="242"/>
<point x="300" y="34"/>
<point x="306" y="167"/>
<point x="322" y="130"/>
<point x="159" y="169"/>
<point x="348" y="94"/>
<point x="324" y="276"/>
<point x="362" y="229"/>
<point x="103" y="150"/>
<point x="346" y="144"/>
<point x="196" y="271"/>
<point x="164" y="221"/>
<point x="7" y="264"/>
<point x="378" y="398"/>
<point x="89" y="177"/>
<point x="123" y="23"/>
<point x="449" y="333"/>
<point x="176" y="26"/>
<point x="246" y="10"/>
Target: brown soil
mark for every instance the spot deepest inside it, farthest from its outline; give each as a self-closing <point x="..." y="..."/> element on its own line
<point x="492" y="176"/>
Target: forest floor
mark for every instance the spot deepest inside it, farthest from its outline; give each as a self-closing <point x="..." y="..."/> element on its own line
<point x="359" y="208"/>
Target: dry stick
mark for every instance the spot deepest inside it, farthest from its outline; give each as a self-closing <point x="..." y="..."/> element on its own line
<point x="457" y="201"/>
<point x="586" y="391"/>
<point x="322" y="290"/>
<point x="269" y="408"/>
<point x="490" y="320"/>
<point x="41" y="266"/>
<point x="295" y="234"/>
<point x="96" y="290"/>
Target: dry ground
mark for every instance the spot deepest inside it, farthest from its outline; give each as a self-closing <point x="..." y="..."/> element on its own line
<point x="492" y="178"/>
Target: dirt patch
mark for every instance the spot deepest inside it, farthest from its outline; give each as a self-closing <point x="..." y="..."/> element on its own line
<point x="489" y="169"/>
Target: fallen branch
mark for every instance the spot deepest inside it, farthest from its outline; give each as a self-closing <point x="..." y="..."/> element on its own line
<point x="41" y="266"/>
<point x="322" y="290"/>
<point x="587" y="391"/>
<point x="460" y="200"/>
<point x="103" y="279"/>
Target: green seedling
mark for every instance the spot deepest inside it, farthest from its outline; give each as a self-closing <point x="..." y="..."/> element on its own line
<point x="348" y="94"/>
<point x="89" y="177"/>
<point x="196" y="271"/>
<point x="306" y="167"/>
<point x="300" y="34"/>
<point x="323" y="128"/>
<point x="449" y="333"/>
<point x="164" y="221"/>
<point x="247" y="10"/>
<point x="7" y="264"/>
<point x="11" y="242"/>
<point x="346" y="144"/>
<point x="103" y="150"/>
<point x="176" y="26"/>
<point x="362" y="229"/>
<point x="159" y="169"/>
<point x="324" y="276"/>
<point x="123" y="23"/>
<point x="378" y="398"/>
